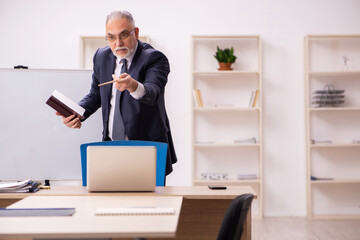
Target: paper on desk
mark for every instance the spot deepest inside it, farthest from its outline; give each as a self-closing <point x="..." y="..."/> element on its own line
<point x="21" y="212"/>
<point x="135" y="211"/>
<point x="11" y="185"/>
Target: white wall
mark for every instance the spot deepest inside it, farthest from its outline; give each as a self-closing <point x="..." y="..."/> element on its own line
<point x="45" y="34"/>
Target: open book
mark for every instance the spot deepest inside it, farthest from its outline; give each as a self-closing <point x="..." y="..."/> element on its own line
<point x="64" y="105"/>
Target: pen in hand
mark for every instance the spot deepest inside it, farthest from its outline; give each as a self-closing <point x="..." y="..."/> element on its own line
<point x="105" y="83"/>
<point x="112" y="81"/>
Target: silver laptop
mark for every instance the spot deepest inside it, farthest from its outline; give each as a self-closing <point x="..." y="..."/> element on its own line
<point x="121" y="168"/>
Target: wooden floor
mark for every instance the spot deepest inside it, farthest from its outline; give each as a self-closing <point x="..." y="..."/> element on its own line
<point x="300" y="228"/>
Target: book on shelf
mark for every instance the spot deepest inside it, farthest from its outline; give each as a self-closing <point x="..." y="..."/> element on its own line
<point x="224" y="105"/>
<point x="246" y="176"/>
<point x="254" y="98"/>
<point x="204" y="142"/>
<point x="198" y="98"/>
<point x="312" y="178"/>
<point x="318" y="141"/>
<point x="245" y="140"/>
<point x="251" y="98"/>
<point x="64" y="105"/>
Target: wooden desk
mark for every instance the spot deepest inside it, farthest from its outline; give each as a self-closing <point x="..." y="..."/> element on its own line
<point x="84" y="224"/>
<point x="201" y="213"/>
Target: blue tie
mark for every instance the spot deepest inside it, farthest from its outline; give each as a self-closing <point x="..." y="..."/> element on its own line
<point x="118" y="127"/>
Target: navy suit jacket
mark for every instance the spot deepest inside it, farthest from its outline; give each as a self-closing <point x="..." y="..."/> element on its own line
<point x="145" y="118"/>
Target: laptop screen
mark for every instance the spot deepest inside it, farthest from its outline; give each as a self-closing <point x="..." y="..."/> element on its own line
<point x="121" y="168"/>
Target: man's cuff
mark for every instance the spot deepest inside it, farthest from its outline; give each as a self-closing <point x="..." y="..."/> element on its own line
<point x="139" y="92"/>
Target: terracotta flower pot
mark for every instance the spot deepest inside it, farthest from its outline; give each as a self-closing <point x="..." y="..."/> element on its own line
<point x="224" y="66"/>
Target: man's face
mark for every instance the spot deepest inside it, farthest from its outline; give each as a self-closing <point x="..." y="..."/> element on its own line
<point x="120" y="28"/>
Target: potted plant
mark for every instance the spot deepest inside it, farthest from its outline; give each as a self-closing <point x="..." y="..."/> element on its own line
<point x="225" y="57"/>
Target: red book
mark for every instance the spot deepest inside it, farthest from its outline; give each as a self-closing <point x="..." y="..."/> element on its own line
<point x="64" y="105"/>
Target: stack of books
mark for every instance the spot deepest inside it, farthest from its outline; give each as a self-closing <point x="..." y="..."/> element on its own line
<point x="19" y="187"/>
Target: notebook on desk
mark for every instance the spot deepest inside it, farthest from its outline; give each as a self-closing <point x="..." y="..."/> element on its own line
<point x="121" y="168"/>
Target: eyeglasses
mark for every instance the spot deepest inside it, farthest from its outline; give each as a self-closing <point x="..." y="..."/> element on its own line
<point x="122" y="36"/>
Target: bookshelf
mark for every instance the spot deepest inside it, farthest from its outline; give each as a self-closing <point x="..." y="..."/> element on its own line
<point x="225" y="124"/>
<point x="333" y="130"/>
<point x="90" y="43"/>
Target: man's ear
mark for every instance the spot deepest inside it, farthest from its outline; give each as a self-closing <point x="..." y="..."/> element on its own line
<point x="137" y="33"/>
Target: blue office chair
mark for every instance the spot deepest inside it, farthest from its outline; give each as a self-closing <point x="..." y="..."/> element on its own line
<point x="161" y="154"/>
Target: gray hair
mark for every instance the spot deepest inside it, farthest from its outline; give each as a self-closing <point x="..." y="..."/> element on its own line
<point x="121" y="15"/>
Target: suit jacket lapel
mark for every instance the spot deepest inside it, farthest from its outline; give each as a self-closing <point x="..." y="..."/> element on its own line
<point x="136" y="57"/>
<point x="110" y="69"/>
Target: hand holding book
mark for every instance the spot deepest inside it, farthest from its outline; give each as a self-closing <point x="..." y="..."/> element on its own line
<point x="71" y="112"/>
<point x="72" y="121"/>
<point x="65" y="106"/>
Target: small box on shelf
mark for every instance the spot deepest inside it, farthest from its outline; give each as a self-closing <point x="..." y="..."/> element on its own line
<point x="214" y="176"/>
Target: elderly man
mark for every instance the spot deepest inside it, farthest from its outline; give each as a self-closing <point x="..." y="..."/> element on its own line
<point x="133" y="106"/>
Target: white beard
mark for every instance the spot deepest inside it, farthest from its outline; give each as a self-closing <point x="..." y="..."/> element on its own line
<point x="129" y="52"/>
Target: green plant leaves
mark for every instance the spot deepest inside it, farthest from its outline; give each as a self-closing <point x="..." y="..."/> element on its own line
<point x="225" y="55"/>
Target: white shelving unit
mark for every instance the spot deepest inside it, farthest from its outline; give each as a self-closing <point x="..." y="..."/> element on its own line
<point x="88" y="46"/>
<point x="226" y="115"/>
<point x="336" y="129"/>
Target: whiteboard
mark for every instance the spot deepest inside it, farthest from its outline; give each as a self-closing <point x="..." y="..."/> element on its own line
<point x="34" y="143"/>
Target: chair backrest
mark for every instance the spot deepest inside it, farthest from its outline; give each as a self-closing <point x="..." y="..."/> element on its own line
<point x="234" y="219"/>
<point x="161" y="154"/>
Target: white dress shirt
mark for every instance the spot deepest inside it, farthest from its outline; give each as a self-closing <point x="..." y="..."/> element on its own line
<point x="137" y="94"/>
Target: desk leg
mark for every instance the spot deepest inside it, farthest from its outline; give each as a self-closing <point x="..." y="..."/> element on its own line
<point x="247" y="227"/>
